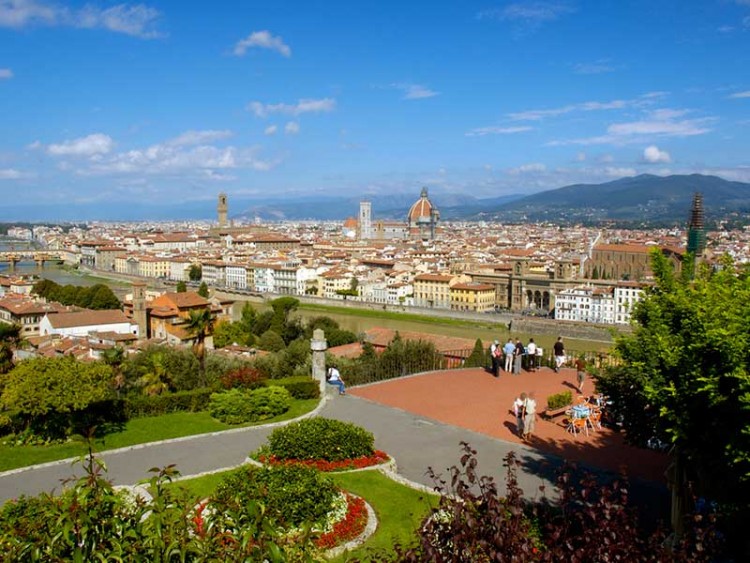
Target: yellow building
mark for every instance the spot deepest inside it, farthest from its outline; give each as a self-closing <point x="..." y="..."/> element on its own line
<point x="434" y="290"/>
<point x="478" y="297"/>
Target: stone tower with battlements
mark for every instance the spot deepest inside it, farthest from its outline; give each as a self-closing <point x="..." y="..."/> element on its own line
<point x="222" y="209"/>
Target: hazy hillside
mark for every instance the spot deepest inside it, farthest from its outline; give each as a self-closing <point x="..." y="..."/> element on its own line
<point x="640" y="199"/>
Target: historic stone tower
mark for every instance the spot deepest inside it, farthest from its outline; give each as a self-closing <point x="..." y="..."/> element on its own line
<point x="365" y="220"/>
<point x="139" y="309"/>
<point x="221" y="209"/>
<point x="696" y="242"/>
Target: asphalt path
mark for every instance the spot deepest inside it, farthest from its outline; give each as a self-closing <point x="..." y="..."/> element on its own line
<point x="416" y="443"/>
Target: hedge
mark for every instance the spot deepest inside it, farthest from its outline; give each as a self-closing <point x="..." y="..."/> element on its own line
<point x="155" y="405"/>
<point x="559" y="400"/>
<point x="237" y="406"/>
<point x="320" y="438"/>
<point x="298" y="387"/>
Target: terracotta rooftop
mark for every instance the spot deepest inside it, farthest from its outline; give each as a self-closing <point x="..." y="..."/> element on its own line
<point x="381" y="337"/>
<point x="87" y="318"/>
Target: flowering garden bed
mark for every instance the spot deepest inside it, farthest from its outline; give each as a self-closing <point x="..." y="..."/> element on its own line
<point x="348" y="528"/>
<point x="377" y="458"/>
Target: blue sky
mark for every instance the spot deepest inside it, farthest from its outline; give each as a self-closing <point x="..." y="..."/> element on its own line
<point x="171" y="101"/>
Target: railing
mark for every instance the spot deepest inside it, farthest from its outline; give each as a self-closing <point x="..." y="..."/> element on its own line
<point x="384" y="367"/>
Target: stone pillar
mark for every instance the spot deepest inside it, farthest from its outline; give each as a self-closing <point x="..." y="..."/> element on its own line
<point x="319" y="345"/>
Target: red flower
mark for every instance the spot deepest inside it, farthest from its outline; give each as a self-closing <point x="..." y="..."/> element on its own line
<point x="347" y="529"/>
<point x="376" y="458"/>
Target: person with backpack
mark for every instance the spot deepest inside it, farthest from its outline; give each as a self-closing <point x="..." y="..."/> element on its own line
<point x="333" y="377"/>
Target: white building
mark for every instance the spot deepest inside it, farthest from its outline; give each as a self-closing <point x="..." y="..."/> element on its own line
<point x="598" y="304"/>
<point x="84" y="322"/>
<point x="236" y="275"/>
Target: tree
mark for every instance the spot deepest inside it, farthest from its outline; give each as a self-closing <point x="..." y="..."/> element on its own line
<point x="114" y="357"/>
<point x="200" y="324"/>
<point x="195" y="272"/>
<point x="181" y="287"/>
<point x="684" y="380"/>
<point x="10" y="337"/>
<point x="271" y="341"/>
<point x="478" y="356"/>
<point x="50" y="396"/>
<point x="203" y="290"/>
<point x="226" y="333"/>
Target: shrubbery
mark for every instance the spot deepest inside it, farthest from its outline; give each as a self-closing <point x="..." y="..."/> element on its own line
<point x="93" y="522"/>
<point x="237" y="406"/>
<point x="155" y="405"/>
<point x="559" y="400"/>
<point x="291" y="494"/>
<point x="320" y="438"/>
<point x="299" y="387"/>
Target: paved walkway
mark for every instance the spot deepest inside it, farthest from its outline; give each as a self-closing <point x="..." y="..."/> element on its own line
<point x="417" y="440"/>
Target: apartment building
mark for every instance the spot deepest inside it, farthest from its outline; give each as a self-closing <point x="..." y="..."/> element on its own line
<point x="472" y="296"/>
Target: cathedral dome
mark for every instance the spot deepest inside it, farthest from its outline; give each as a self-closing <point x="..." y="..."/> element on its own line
<point x="421" y="210"/>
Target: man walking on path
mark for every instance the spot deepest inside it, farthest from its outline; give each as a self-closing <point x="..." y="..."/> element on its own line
<point x="508" y="350"/>
<point x="559" y="350"/>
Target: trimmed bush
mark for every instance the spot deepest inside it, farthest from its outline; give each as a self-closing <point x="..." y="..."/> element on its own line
<point x="320" y="438"/>
<point x="291" y="494"/>
<point x="298" y="387"/>
<point x="559" y="400"/>
<point x="236" y="406"/>
<point x="187" y="401"/>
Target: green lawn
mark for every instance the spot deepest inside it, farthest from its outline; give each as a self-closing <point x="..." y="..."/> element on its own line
<point x="400" y="509"/>
<point x="136" y="431"/>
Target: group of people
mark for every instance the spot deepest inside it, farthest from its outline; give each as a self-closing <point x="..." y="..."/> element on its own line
<point x="510" y="356"/>
<point x="524" y="407"/>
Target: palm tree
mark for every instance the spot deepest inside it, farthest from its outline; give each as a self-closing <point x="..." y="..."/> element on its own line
<point x="200" y="324"/>
<point x="155" y="378"/>
<point x="114" y="357"/>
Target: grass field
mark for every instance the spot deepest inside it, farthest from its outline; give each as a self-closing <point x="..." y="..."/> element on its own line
<point x="136" y="431"/>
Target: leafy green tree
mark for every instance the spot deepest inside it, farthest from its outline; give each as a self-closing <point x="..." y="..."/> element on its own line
<point x="102" y="297"/>
<point x="181" y="287"/>
<point x="203" y="290"/>
<point x="226" y="333"/>
<point x="271" y="341"/>
<point x="161" y="368"/>
<point x="10" y="338"/>
<point x="478" y="356"/>
<point x="51" y="395"/>
<point x="684" y="380"/>
<point x="114" y="357"/>
<point x="195" y="272"/>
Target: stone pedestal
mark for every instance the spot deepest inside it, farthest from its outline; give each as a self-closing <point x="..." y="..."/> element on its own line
<point x="319" y="345"/>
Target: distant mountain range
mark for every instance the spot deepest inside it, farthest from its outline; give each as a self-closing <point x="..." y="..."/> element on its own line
<point x="639" y="201"/>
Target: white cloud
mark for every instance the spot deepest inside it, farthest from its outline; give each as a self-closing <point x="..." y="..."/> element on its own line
<point x="745" y="94"/>
<point x="533" y="167"/>
<point x="529" y="12"/>
<point x="264" y="40"/>
<point x="5" y="73"/>
<point x="581" y="157"/>
<point x="482" y="131"/>
<point x="198" y="137"/>
<point x="415" y="91"/>
<point x="656" y="123"/>
<point x="204" y="161"/>
<point x="137" y="20"/>
<point x="653" y="154"/>
<point x="619" y="172"/>
<point x="539" y="114"/>
<point x="597" y="67"/>
<point x="270" y="130"/>
<point x="304" y="105"/>
<point x="95" y="144"/>
<point x="9" y="174"/>
<point x="291" y="128"/>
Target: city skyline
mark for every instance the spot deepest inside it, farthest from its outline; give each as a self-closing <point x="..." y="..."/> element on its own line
<point x="160" y="101"/>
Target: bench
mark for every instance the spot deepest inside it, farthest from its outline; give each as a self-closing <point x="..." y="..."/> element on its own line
<point x="552" y="413"/>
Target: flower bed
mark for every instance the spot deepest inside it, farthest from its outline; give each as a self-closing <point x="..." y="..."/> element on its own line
<point x="377" y="458"/>
<point x="351" y="526"/>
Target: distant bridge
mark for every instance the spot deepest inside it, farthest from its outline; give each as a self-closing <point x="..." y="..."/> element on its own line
<point x="13" y="257"/>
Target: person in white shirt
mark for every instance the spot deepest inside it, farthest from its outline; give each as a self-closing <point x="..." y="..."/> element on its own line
<point x="531" y="353"/>
<point x="529" y="417"/>
<point x="334" y="378"/>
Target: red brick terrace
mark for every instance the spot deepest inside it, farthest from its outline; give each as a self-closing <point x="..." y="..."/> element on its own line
<point x="471" y="398"/>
